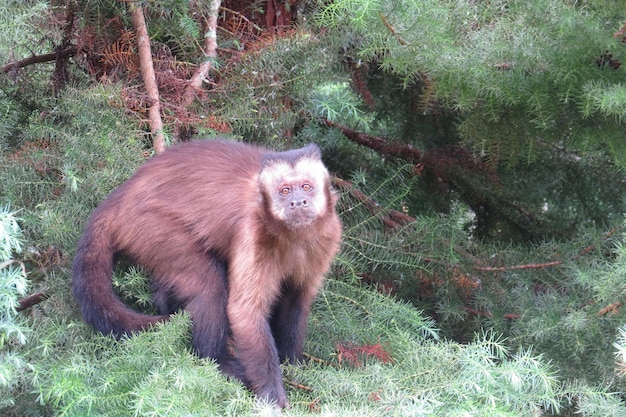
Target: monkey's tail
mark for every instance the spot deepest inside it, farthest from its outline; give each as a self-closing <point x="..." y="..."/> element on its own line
<point x="93" y="288"/>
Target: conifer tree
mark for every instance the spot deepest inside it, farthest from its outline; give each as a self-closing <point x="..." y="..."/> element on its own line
<point x="478" y="151"/>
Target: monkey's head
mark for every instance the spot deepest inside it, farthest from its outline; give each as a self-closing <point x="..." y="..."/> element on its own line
<point x="295" y="185"/>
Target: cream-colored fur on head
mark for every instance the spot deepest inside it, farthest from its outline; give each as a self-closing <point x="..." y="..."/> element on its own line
<point x="309" y="169"/>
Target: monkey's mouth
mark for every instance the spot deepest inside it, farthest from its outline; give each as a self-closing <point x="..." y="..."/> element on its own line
<point x="299" y="218"/>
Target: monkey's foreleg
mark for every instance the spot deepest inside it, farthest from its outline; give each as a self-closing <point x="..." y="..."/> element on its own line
<point x="257" y="353"/>
<point x="289" y="320"/>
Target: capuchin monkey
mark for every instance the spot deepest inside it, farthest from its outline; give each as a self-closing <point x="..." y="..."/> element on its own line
<point x="237" y="235"/>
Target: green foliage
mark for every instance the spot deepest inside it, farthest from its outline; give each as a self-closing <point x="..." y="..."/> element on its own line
<point x="25" y="32"/>
<point x="133" y="287"/>
<point x="338" y="103"/>
<point x="280" y="86"/>
<point x="514" y="71"/>
<point x="364" y="240"/>
<point x="568" y="311"/>
<point x="562" y="301"/>
<point x="17" y="18"/>
<point x="426" y="377"/>
<point x="13" y="286"/>
<point x="64" y="160"/>
<point x="49" y="176"/>
<point x="153" y="373"/>
<point x="532" y="89"/>
<point x="172" y="24"/>
<point x="604" y="98"/>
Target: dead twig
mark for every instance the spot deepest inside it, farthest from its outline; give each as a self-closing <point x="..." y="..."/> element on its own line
<point x="31" y="300"/>
<point x="514" y="267"/>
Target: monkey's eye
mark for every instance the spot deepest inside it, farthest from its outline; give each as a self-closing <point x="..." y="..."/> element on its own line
<point x="285" y="190"/>
<point x="307" y="187"/>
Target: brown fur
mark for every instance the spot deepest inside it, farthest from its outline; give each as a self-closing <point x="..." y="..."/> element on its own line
<point x="209" y="221"/>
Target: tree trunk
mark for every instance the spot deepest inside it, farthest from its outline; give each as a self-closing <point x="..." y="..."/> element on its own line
<point x="149" y="78"/>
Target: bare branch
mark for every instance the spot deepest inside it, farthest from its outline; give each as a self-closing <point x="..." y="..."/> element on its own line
<point x="31" y="300"/>
<point x="209" y="26"/>
<point x="392" y="29"/>
<point x="380" y="145"/>
<point x="149" y="78"/>
<point x="514" y="267"/>
<point x="39" y="59"/>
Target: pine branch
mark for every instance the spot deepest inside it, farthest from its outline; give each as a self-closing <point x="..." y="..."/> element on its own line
<point x="392" y="219"/>
<point x="392" y="29"/>
<point x="299" y="386"/>
<point x="438" y="160"/>
<point x="380" y="145"/>
<point x="488" y="314"/>
<point x="542" y="264"/>
<point x="39" y="59"/>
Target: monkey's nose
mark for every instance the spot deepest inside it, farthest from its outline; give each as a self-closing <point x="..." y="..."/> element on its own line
<point x="298" y="203"/>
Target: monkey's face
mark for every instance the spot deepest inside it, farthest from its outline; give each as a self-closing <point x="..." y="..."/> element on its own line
<point x="296" y="192"/>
